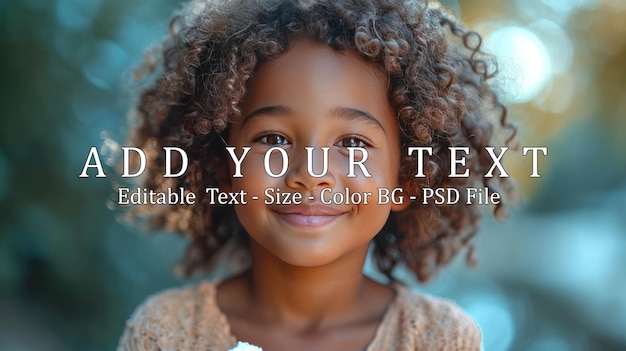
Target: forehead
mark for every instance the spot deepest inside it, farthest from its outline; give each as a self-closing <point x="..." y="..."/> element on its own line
<point x="304" y="52"/>
<point x="310" y="75"/>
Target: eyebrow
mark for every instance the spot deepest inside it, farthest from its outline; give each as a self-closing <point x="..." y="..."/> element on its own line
<point x="353" y="114"/>
<point x="274" y="110"/>
<point x="345" y="113"/>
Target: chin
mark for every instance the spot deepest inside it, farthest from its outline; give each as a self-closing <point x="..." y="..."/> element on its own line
<point x="308" y="259"/>
<point x="319" y="256"/>
<point x="308" y="252"/>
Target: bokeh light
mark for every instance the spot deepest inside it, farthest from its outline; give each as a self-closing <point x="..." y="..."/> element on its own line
<point x="525" y="66"/>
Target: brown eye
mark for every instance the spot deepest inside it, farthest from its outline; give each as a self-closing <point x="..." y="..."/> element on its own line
<point x="352" y="141"/>
<point x="273" y="139"/>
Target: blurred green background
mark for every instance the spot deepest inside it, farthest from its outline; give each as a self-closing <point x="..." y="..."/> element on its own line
<point x="552" y="278"/>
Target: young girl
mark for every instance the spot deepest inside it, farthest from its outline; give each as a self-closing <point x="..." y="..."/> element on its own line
<point x="300" y="91"/>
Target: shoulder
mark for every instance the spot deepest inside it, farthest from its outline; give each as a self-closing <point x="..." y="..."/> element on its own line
<point x="169" y="319"/>
<point x="438" y="323"/>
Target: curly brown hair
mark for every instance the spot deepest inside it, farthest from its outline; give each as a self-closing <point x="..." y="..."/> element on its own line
<point x="438" y="86"/>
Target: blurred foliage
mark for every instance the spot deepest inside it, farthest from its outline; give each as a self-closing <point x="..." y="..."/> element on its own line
<point x="70" y="273"/>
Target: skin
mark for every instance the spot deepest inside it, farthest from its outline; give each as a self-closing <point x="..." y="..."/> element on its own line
<point x="306" y="290"/>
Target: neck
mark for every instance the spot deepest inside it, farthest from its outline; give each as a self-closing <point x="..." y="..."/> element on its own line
<point x="306" y="294"/>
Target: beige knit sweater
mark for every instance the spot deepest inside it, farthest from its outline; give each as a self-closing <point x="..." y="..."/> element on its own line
<point x="189" y="319"/>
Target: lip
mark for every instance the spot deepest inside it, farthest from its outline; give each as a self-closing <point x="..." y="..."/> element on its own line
<point x="308" y="216"/>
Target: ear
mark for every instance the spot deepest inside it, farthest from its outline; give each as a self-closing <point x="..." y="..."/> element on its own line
<point x="406" y="201"/>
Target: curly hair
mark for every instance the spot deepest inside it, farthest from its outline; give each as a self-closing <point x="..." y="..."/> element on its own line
<point x="438" y="87"/>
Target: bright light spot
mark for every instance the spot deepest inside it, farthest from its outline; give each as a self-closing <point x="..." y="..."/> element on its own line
<point x="495" y="320"/>
<point x="557" y="42"/>
<point x="556" y="10"/>
<point x="523" y="60"/>
<point x="567" y="7"/>
<point x="590" y="258"/>
<point x="563" y="6"/>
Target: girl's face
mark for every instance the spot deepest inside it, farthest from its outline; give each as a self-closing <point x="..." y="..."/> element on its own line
<point x="313" y="96"/>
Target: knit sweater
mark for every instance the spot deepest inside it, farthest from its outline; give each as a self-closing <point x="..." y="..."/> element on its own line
<point x="189" y="319"/>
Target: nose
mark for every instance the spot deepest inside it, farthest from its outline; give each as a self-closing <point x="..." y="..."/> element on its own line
<point x="310" y="169"/>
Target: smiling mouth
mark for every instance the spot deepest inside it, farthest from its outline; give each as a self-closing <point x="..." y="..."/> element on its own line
<point x="307" y="221"/>
<point x="303" y="216"/>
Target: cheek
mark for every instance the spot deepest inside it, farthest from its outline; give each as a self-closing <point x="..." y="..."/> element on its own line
<point x="385" y="171"/>
<point x="254" y="179"/>
<point x="276" y="163"/>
